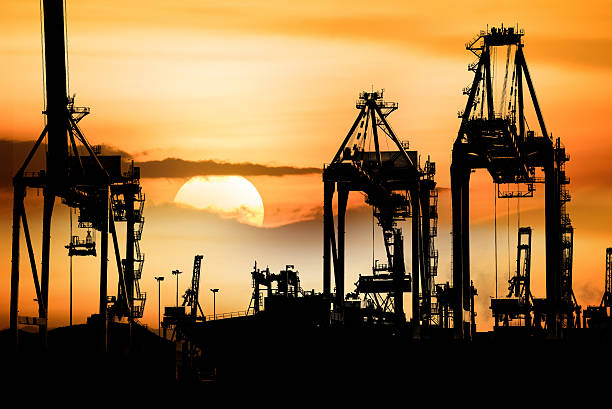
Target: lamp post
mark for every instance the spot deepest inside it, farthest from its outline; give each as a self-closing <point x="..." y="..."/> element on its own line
<point x="159" y="280"/>
<point x="176" y="273"/>
<point x="214" y="291"/>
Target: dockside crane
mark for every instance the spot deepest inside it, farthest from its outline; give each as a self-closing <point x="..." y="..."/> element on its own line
<point x="518" y="304"/>
<point x="83" y="179"/>
<point x="397" y="188"/>
<point x="191" y="298"/>
<point x="600" y="316"/>
<point x="494" y="135"/>
<point x="182" y="321"/>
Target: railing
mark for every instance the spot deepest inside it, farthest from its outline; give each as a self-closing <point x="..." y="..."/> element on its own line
<point x="226" y="315"/>
<point x="138" y="231"/>
<point x="33" y="174"/>
<point x="473" y="65"/>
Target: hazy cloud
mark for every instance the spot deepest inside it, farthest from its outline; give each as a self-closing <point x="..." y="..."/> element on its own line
<point x="429" y="27"/>
<point x="13" y="154"/>
<point x="180" y="168"/>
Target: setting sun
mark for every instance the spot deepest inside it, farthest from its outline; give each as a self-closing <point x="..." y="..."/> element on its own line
<point x="229" y="196"/>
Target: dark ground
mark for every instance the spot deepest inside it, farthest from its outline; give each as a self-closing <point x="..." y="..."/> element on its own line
<point x="278" y="357"/>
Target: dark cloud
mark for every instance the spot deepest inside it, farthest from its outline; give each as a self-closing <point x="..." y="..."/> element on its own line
<point x="179" y="168"/>
<point x="13" y="153"/>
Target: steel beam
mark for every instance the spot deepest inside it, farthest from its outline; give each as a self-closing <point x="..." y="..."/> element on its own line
<point x="416" y="254"/>
<point x="49" y="202"/>
<point x="519" y="90"/>
<point x="425" y="260"/>
<point x="343" y="193"/>
<point x="121" y="282"/>
<point x="26" y="233"/>
<point x="104" y="208"/>
<point x="348" y="136"/>
<point x="399" y="273"/>
<point x="532" y="92"/>
<point x="18" y="196"/>
<point x="328" y="232"/>
<point x="375" y="131"/>
<point x="489" y="88"/>
<point x="394" y="137"/>
<point x="471" y="98"/>
<point x="128" y="197"/>
<point x="460" y="235"/>
<point x="465" y="238"/>
<point x="56" y="90"/>
<point x="552" y="215"/>
<point x="32" y="152"/>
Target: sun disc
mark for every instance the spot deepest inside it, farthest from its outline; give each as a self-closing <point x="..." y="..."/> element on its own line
<point x="228" y="196"/>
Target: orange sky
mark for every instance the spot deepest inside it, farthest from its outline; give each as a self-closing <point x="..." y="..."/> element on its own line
<point x="274" y="83"/>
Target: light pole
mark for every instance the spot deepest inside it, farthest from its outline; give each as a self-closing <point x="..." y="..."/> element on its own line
<point x="214" y="291"/>
<point x="159" y="280"/>
<point x="176" y="273"/>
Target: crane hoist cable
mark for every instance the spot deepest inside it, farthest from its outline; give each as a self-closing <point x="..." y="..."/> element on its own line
<point x="373" y="242"/>
<point x="502" y="99"/>
<point x="508" y="239"/>
<point x="518" y="212"/>
<point x="495" y="186"/>
<point x="42" y="63"/>
<point x="66" y="50"/>
<point x="71" y="255"/>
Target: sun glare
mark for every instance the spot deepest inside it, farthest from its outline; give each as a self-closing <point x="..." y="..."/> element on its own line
<point x="229" y="196"/>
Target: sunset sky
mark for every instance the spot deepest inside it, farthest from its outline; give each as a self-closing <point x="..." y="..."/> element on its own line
<point x="266" y="90"/>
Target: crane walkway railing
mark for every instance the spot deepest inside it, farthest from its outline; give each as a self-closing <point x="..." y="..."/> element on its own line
<point x="225" y="315"/>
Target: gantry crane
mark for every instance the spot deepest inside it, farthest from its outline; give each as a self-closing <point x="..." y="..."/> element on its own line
<point x="600" y="316"/>
<point x="495" y="135"/>
<point x="94" y="184"/>
<point x="519" y="301"/>
<point x="397" y="188"/>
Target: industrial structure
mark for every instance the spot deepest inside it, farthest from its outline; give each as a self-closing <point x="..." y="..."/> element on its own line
<point x="367" y="325"/>
<point x="178" y="318"/>
<point x="184" y="323"/>
<point x="397" y="188"/>
<point x="495" y="135"/>
<point x="103" y="192"/>
<point x="288" y="283"/>
<point x="518" y="304"/>
<point x="600" y="316"/>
